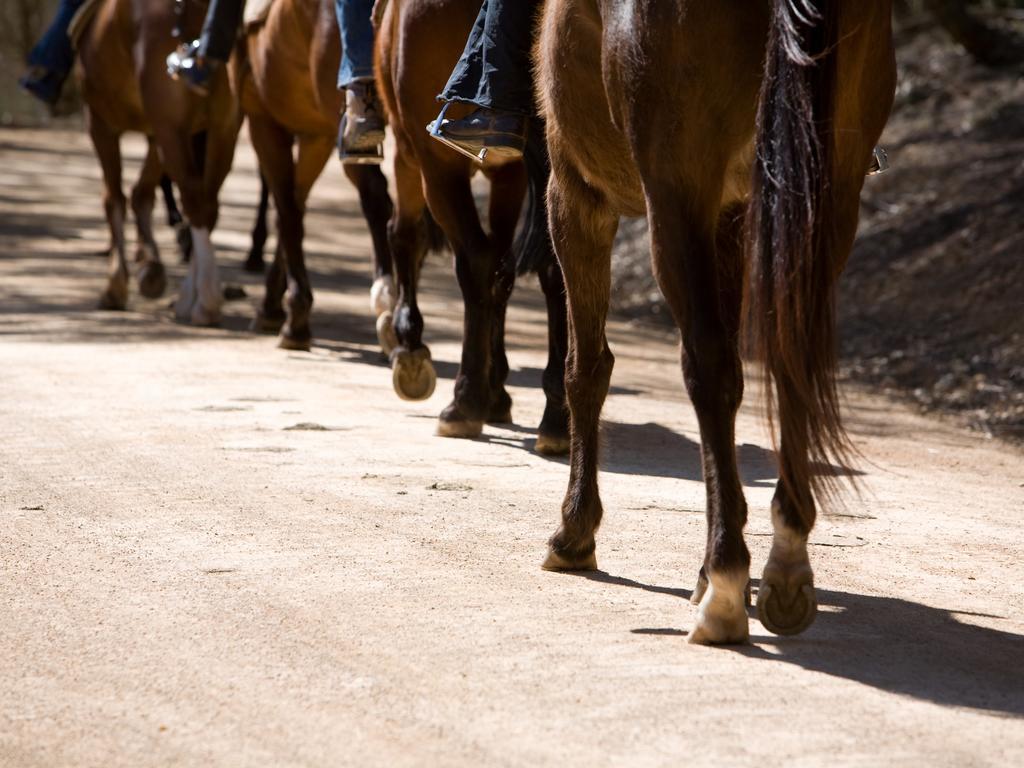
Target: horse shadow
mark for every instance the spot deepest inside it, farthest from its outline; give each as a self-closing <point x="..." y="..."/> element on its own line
<point x="891" y="644"/>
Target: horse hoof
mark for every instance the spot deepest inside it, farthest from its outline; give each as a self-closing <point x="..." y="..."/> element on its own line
<point x="386" y="336"/>
<point x="722" y="614"/>
<point x="203" y="317"/>
<point x="113" y="300"/>
<point x="381" y="300"/>
<point x="552" y="445"/>
<point x="786" y="609"/>
<point x="297" y="343"/>
<point x="464" y="429"/>
<point x="412" y="374"/>
<point x="500" y="417"/>
<point x="152" y="279"/>
<point x="254" y="263"/>
<point x="267" y="323"/>
<point x="557" y="562"/>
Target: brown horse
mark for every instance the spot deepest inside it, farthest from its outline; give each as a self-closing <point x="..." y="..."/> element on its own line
<point x="288" y="90"/>
<point x="418" y="43"/>
<point x="126" y="88"/>
<point x="661" y="108"/>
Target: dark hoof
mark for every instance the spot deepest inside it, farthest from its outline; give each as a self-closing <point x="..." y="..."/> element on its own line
<point x="263" y="323"/>
<point x="500" y="417"/>
<point x="234" y="293"/>
<point x="113" y="300"/>
<point x="254" y="263"/>
<point x="299" y="342"/>
<point x="552" y="445"/>
<point x="152" y="279"/>
<point x="786" y="609"/>
<point x="412" y="374"/>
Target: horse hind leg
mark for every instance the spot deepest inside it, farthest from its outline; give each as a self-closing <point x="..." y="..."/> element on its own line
<point x="254" y="261"/>
<point x="106" y="142"/>
<point x="698" y="260"/>
<point x="583" y="229"/>
<point x="152" y="276"/>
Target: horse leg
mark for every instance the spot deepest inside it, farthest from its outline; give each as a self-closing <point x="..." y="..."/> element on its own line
<point x="508" y="187"/>
<point x="107" y="143"/>
<point x="698" y="260"/>
<point x="375" y="201"/>
<point x="786" y="604"/>
<point x="413" y="375"/>
<point x="182" y="233"/>
<point x="254" y="262"/>
<point x="152" y="276"/>
<point x="273" y="146"/>
<point x="553" y="434"/>
<point x="582" y="231"/>
<point x="476" y="265"/>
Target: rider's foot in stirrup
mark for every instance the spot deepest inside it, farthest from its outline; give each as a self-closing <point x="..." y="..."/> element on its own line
<point x="484" y="135"/>
<point x="43" y="83"/>
<point x="188" y="67"/>
<point x="361" y="132"/>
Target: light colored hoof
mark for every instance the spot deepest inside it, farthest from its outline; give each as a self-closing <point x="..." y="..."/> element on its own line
<point x="152" y="279"/>
<point x="296" y="344"/>
<point x="552" y="446"/>
<point x="785" y="611"/>
<point x="463" y="429"/>
<point x="722" y="614"/>
<point x="555" y="562"/>
<point x="381" y="296"/>
<point x="386" y="336"/>
<point x="412" y="374"/>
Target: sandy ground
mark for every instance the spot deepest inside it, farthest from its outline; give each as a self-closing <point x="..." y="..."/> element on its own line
<point x="214" y="552"/>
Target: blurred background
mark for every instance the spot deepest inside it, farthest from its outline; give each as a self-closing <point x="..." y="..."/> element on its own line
<point x="933" y="297"/>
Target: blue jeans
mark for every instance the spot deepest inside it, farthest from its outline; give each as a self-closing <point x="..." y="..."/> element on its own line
<point x="356" y="26"/>
<point x="494" y="71"/>
<point x="53" y="52"/>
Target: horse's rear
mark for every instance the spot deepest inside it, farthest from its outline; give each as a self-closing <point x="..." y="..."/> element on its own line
<point x="419" y="43"/>
<point x="662" y="110"/>
<point x="123" y="55"/>
<point x="114" y="106"/>
<point x="288" y="90"/>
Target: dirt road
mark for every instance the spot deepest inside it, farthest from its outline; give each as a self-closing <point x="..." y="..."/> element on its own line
<point x="215" y="552"/>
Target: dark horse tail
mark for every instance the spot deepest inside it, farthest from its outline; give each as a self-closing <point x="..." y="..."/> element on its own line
<point x="532" y="248"/>
<point x="792" y="298"/>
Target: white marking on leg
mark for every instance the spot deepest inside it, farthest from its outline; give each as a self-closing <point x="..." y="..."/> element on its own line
<point x="789" y="548"/>
<point x="382" y="296"/>
<point x="722" y="614"/>
<point x="187" y="293"/>
<point x="206" y="309"/>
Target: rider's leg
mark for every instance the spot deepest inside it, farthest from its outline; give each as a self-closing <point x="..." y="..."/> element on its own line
<point x="195" y="63"/>
<point x="361" y="132"/>
<point x="51" y="59"/>
<point x="494" y="75"/>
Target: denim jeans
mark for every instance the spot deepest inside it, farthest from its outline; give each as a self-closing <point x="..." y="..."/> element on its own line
<point x="355" y="23"/>
<point x="53" y="52"/>
<point x="495" y="69"/>
<point x="220" y="30"/>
